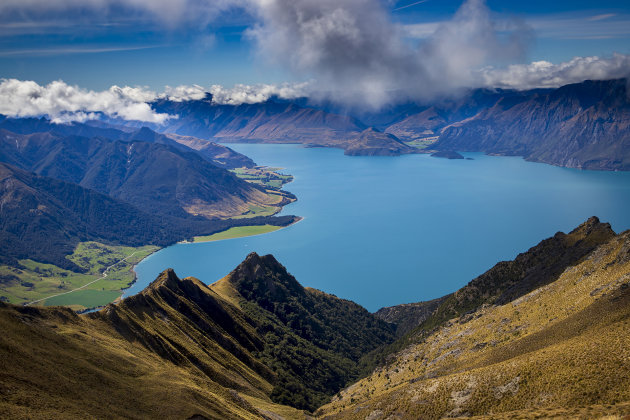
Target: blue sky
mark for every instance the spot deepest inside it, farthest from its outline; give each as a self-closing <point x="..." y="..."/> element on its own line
<point x="127" y="46"/>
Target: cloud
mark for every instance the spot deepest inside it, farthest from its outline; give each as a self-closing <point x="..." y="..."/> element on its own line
<point x="543" y="74"/>
<point x="357" y="53"/>
<point x="184" y="93"/>
<point x="170" y="12"/>
<point x="248" y="94"/>
<point x="63" y="103"/>
<point x="72" y="50"/>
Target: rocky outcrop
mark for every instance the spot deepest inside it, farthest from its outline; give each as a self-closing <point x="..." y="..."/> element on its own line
<point x="371" y="142"/>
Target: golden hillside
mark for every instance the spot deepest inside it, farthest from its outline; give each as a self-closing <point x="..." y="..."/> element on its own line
<point x="562" y="350"/>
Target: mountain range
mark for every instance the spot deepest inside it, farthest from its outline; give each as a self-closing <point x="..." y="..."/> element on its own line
<point x="60" y="187"/>
<point x="583" y="125"/>
<point x="549" y="340"/>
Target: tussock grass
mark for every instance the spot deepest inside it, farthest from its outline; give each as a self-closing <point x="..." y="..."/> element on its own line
<point x="566" y="344"/>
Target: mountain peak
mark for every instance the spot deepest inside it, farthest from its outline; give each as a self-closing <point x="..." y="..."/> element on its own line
<point x="591" y="231"/>
<point x="166" y="278"/>
<point x="264" y="278"/>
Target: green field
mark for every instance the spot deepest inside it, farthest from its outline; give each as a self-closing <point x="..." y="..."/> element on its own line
<point x="268" y="177"/>
<point x="422" y="143"/>
<point x="34" y="281"/>
<point x="237" y="232"/>
<point x="255" y="210"/>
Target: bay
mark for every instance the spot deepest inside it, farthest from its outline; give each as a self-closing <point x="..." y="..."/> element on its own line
<point x="383" y="231"/>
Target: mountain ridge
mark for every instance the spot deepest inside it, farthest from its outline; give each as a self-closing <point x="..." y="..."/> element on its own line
<point x="239" y="347"/>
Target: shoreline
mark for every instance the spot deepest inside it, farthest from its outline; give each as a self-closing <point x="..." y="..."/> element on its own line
<point x="133" y="268"/>
<point x="186" y="242"/>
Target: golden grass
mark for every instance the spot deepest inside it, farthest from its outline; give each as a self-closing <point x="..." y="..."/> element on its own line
<point x="566" y="344"/>
<point x="156" y="355"/>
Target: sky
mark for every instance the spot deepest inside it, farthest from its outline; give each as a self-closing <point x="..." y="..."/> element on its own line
<point x="356" y="51"/>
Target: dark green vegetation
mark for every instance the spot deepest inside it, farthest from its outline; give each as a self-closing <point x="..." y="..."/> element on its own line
<point x="317" y="339"/>
<point x="44" y="219"/>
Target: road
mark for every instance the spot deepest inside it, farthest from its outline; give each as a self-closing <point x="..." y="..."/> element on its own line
<point x="86" y="284"/>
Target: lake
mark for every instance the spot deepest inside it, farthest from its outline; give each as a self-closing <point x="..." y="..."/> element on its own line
<point x="383" y="231"/>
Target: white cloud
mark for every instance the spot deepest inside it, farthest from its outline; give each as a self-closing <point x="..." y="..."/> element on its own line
<point x="543" y="74"/>
<point x="249" y="94"/>
<point x="63" y="103"/>
<point x="184" y="93"/>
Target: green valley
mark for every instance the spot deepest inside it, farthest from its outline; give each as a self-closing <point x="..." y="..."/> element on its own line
<point x="107" y="270"/>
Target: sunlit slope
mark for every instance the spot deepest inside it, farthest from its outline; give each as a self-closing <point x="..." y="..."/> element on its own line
<point x="179" y="348"/>
<point x="173" y="351"/>
<point x="562" y="349"/>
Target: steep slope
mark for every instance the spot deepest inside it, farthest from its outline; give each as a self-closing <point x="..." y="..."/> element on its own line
<point x="408" y="316"/>
<point x="44" y="219"/>
<point x="503" y="283"/>
<point x="175" y="351"/>
<point x="584" y="125"/>
<point x="179" y="348"/>
<point x="219" y="155"/>
<point x="316" y="339"/>
<point x="428" y="120"/>
<point x="153" y="177"/>
<point x="559" y="350"/>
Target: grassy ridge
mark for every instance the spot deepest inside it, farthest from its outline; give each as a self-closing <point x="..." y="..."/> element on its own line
<point x="559" y="350"/>
<point x="175" y="351"/>
<point x="33" y="281"/>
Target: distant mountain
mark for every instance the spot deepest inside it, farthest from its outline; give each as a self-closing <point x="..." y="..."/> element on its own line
<point x="218" y="154"/>
<point x="374" y="143"/>
<point x="156" y="178"/>
<point x="584" y="125"/>
<point x="275" y="122"/>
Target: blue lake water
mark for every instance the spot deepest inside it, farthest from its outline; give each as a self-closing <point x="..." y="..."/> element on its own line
<point x="388" y="230"/>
